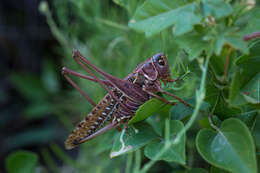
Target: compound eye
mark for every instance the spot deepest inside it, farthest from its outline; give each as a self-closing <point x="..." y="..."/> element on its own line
<point x="161" y="61"/>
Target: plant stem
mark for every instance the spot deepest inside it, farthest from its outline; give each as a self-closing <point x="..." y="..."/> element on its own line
<point x="227" y="63"/>
<point x="200" y="95"/>
<point x="251" y="36"/>
<point x="167" y="131"/>
<point x="54" y="29"/>
<point x="137" y="161"/>
<point x="49" y="160"/>
<point x="148" y="165"/>
<point x="60" y="154"/>
<point x="112" y="24"/>
<point x="129" y="162"/>
<point x="211" y="114"/>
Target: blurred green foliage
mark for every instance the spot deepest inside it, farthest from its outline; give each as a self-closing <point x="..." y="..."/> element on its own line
<point x="21" y="162"/>
<point x="219" y="133"/>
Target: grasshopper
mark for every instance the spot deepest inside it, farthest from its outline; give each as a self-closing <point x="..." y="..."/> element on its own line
<point x="123" y="98"/>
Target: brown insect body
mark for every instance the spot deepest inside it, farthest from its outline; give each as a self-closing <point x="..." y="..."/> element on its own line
<point x="126" y="97"/>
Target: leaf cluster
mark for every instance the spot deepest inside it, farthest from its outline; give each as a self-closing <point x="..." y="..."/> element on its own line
<point x="220" y="132"/>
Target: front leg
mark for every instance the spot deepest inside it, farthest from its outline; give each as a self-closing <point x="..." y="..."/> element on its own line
<point x="154" y="87"/>
<point x="176" y="97"/>
<point x="177" y="79"/>
<point x="160" y="98"/>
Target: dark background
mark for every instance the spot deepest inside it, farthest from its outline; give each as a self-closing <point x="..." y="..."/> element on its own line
<point x="38" y="107"/>
<point x="25" y="42"/>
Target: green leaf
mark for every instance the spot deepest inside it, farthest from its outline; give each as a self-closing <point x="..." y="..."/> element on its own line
<point x="256" y="131"/>
<point x="204" y="121"/>
<point x="154" y="8"/>
<point x="154" y="16"/>
<point x="181" y="111"/>
<point x="217" y="170"/>
<point x="218" y="62"/>
<point x="104" y="139"/>
<point x="122" y="3"/>
<point x="157" y="122"/>
<point x="193" y="43"/>
<point x="249" y="22"/>
<point x="251" y="91"/>
<point x="223" y="109"/>
<point x="129" y="5"/>
<point x="176" y="153"/>
<point x="134" y="138"/>
<point x="248" y="117"/>
<point x="21" y="162"/>
<point x="232" y="148"/>
<point x="231" y="37"/>
<point x="146" y="110"/>
<point x="246" y="79"/>
<point x="196" y="42"/>
<point x="216" y="8"/>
